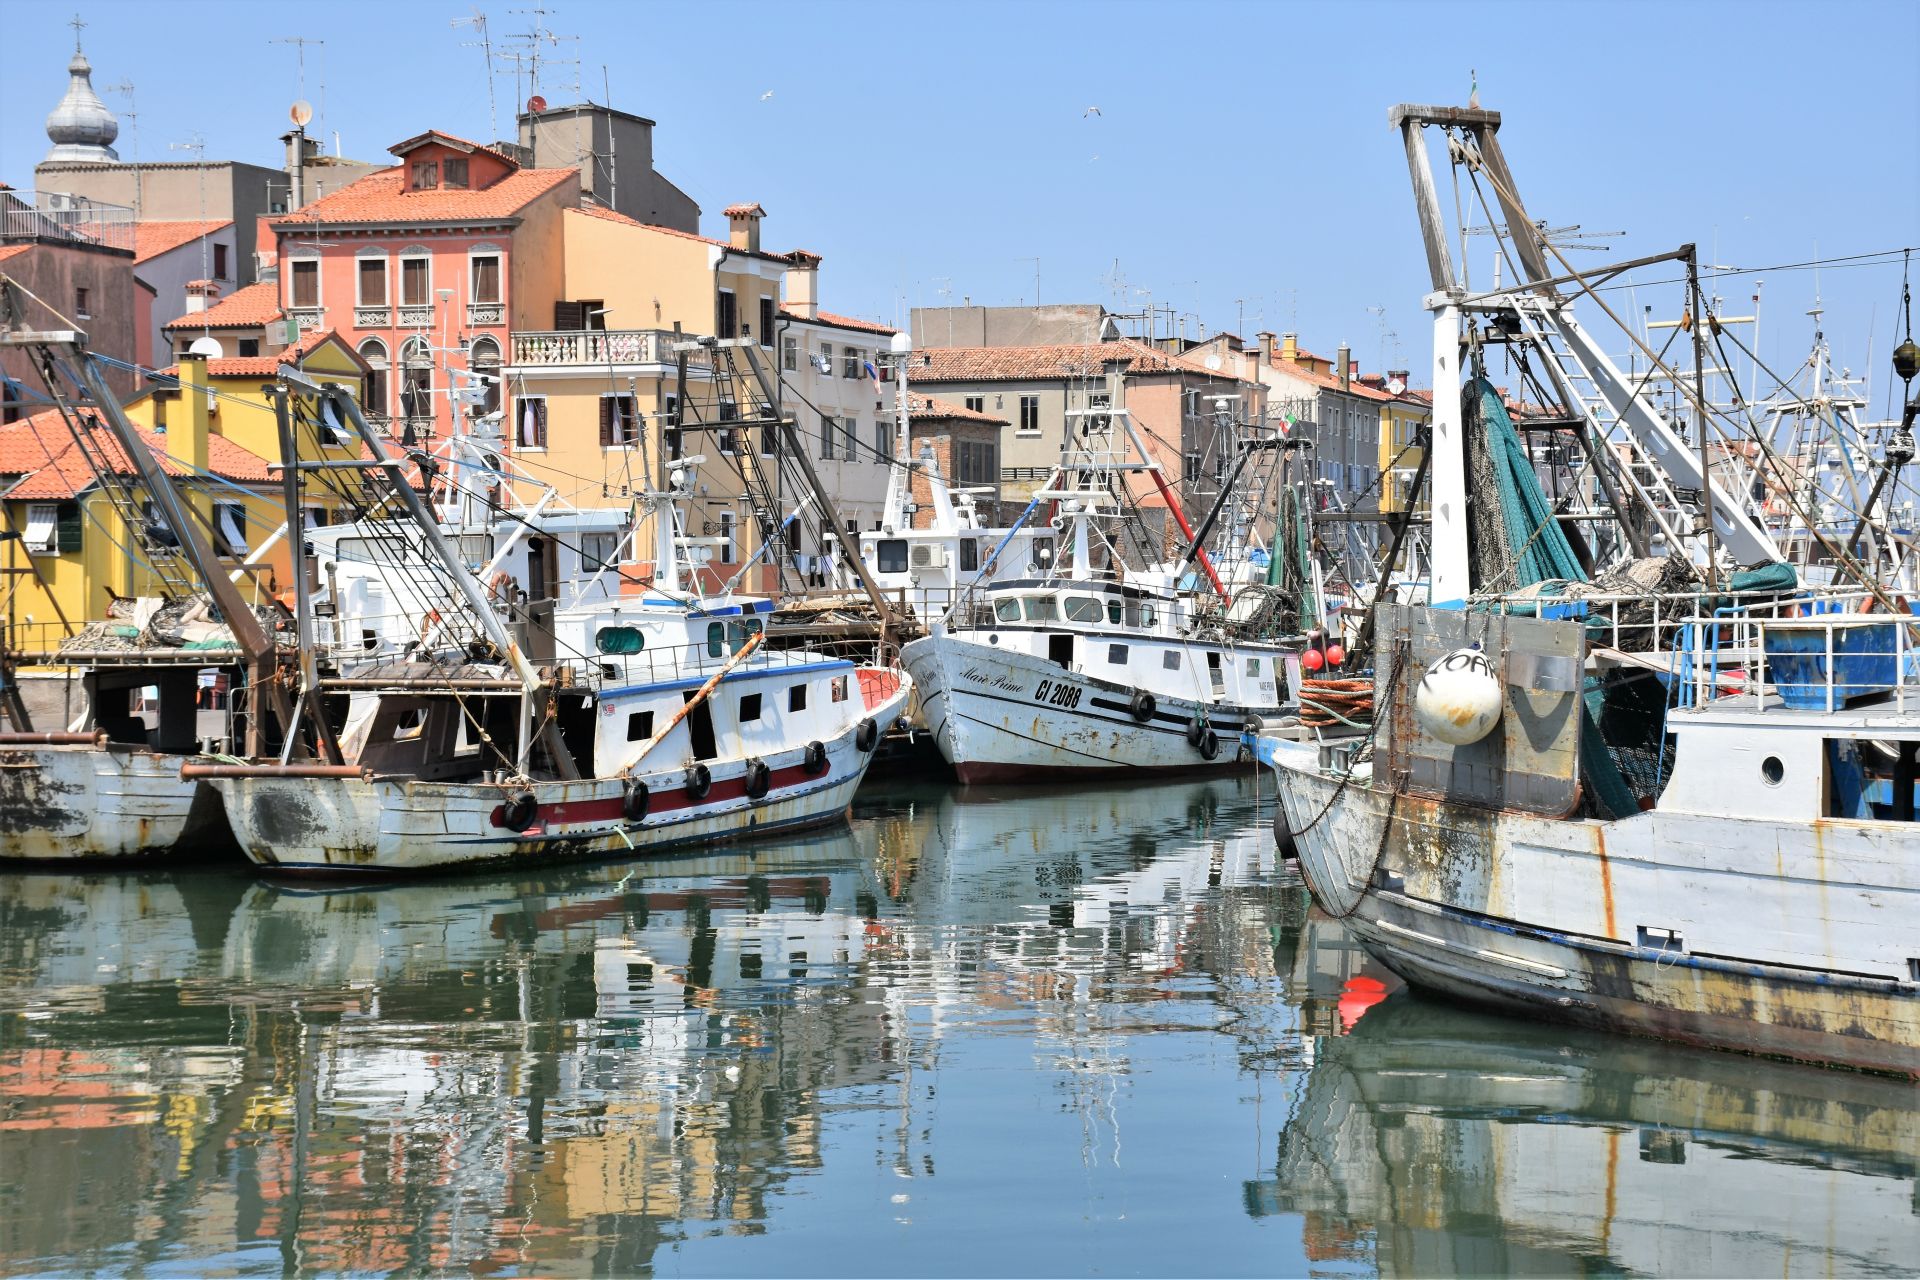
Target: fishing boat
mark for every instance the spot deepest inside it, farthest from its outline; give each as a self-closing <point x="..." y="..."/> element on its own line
<point x="660" y="722"/>
<point x="1083" y="671"/>
<point x="1686" y="813"/>
<point x="108" y="786"/>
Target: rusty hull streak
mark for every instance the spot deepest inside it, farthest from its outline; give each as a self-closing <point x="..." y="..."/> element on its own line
<point x="1606" y="879"/>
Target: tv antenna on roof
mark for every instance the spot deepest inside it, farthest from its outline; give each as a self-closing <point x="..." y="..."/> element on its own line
<point x="300" y="44"/>
<point x="485" y="43"/>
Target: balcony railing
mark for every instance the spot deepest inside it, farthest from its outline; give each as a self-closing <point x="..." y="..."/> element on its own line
<point x="372" y="317"/>
<point x="307" y="318"/>
<point x="486" y="313"/>
<point x="53" y="217"/>
<point x="599" y="348"/>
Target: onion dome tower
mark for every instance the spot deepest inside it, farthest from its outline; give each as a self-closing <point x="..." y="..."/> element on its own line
<point x="81" y="127"/>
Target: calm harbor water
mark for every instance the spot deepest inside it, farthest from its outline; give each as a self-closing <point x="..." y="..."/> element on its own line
<point x="1034" y="1033"/>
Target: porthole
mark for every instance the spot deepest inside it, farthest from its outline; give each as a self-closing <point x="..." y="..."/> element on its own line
<point x="993" y="639"/>
<point x="1771" y="771"/>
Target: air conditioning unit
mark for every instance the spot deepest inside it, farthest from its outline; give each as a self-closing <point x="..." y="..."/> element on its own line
<point x="926" y="556"/>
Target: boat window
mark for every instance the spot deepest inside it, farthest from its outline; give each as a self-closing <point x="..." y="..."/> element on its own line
<point x="1083" y="609"/>
<point x="1115" y="611"/>
<point x="839" y="688"/>
<point x="749" y="707"/>
<point x="892" y="555"/>
<point x="797" y="698"/>
<point x="716" y="639"/>
<point x="639" y="726"/>
<point x="1007" y="610"/>
<point x="1868" y="779"/>
<point x="619" y="640"/>
<point x="737" y="633"/>
<point x="969" y="555"/>
<point x="1170" y="659"/>
<point x="1117" y="654"/>
<point x="1041" y="609"/>
<point x="1133" y="613"/>
<point x="1147" y="615"/>
<point x="1253" y="667"/>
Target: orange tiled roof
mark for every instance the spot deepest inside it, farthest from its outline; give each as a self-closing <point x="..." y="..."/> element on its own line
<point x="382" y="198"/>
<point x="744" y="211"/>
<point x="447" y="139"/>
<point x="153" y="238"/>
<point x="261" y="366"/>
<point x="928" y="407"/>
<point x="1055" y="360"/>
<point x="610" y="215"/>
<point x="13" y="250"/>
<point x="1330" y="381"/>
<point x="69" y="475"/>
<point x="838" y="321"/>
<point x="24" y="445"/>
<point x="247" y="308"/>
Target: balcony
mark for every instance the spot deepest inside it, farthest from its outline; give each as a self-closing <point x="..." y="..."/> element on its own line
<point x="416" y="317"/>
<point x="307" y="318"/>
<point x="372" y="317"/>
<point x="51" y="217"/>
<point x="562" y="350"/>
<point x="490" y="313"/>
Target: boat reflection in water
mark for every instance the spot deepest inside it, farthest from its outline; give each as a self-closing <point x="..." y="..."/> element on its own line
<point x="1432" y="1140"/>
<point x="1070" y="1015"/>
<point x="564" y="1073"/>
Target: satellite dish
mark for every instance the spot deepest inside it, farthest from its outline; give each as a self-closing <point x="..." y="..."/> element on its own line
<point x="536" y="103"/>
<point x="301" y="113"/>
<point x="1396" y="386"/>
<point x="209" y="347"/>
<point x="1213" y="362"/>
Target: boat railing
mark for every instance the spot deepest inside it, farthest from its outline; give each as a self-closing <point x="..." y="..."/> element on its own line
<point x="1818" y="651"/>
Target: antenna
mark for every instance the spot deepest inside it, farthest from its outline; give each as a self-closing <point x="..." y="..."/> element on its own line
<point x="485" y="43"/>
<point x="300" y="44"/>
<point x="198" y="146"/>
<point x="132" y="113"/>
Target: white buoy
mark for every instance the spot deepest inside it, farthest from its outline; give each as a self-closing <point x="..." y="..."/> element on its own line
<point x="1459" y="699"/>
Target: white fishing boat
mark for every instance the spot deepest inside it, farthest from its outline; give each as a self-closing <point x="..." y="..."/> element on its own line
<point x="660" y="722"/>
<point x="1530" y="824"/>
<point x="1081" y="672"/>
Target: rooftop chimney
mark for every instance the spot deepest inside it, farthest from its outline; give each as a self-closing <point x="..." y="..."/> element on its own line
<point x="743" y="226"/>
<point x="1290" y="348"/>
<point x="1265" y="348"/>
<point x="1343" y="365"/>
<point x="803" y="284"/>
<point x="201" y="294"/>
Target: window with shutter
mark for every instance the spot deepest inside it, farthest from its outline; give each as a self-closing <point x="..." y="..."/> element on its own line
<point x="766" y="322"/>
<point x="415" y="281"/>
<point x="569" y="315"/>
<point x="486" y="278"/>
<point x="728" y="323"/>
<point x="68" y="527"/>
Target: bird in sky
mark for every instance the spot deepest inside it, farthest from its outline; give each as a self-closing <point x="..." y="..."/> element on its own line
<point x="1090" y="111"/>
<point x="767" y="96"/>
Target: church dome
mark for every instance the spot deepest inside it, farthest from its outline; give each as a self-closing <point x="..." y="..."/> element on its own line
<point x="81" y="127"/>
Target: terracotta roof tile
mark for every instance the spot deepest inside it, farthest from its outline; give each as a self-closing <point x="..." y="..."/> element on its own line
<point x="383" y="198"/>
<point x="931" y="408"/>
<point x="259" y="366"/>
<point x="610" y="215"/>
<point x="1330" y="382"/>
<point x="153" y="238"/>
<point x="13" y="250"/>
<point x="448" y="139"/>
<point x="1057" y="360"/>
<point x="69" y="475"/>
<point x="744" y="211"/>
<point x="24" y="445"/>
<point x="247" y="308"/>
<point x="838" y="321"/>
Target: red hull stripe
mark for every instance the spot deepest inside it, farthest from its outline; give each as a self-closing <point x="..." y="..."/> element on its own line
<point x="613" y="808"/>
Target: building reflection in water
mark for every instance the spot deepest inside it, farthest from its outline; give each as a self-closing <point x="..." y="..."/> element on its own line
<point x="571" y="1072"/>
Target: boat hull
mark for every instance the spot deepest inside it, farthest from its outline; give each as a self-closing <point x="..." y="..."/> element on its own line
<point x="1010" y="717"/>
<point x="1703" y="930"/>
<point x="398" y="825"/>
<point x="70" y="803"/>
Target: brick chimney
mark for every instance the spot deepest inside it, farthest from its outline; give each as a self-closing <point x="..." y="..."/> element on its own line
<point x="1264" y="351"/>
<point x="803" y="284"/>
<point x="1344" y="366"/>
<point x="201" y="294"/>
<point x="743" y="226"/>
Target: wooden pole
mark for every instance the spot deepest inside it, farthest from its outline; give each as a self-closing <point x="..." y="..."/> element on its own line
<point x="713" y="682"/>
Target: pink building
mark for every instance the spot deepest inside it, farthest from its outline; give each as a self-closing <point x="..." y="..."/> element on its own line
<point x="425" y="268"/>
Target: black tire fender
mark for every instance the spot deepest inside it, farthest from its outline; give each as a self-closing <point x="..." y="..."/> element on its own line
<point x="867" y="736"/>
<point x="1142" y="706"/>
<point x="699" y="782"/>
<point x="1196" y="727"/>
<point x="1283" y="835"/>
<point x="518" y="813"/>
<point x="759" y="779"/>
<point x="1209" y="744"/>
<point x="815" y="761"/>
<point x="635" y="800"/>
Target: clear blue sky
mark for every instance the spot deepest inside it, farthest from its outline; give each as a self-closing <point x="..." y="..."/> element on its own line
<point x="1241" y="163"/>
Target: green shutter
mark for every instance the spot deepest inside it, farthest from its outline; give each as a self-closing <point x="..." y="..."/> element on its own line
<point x="68" y="528"/>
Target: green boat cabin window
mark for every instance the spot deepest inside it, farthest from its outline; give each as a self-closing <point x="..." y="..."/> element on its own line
<point x="1115" y="611"/>
<point x="1007" y="610"/>
<point x="716" y="639"/>
<point x="619" y="640"/>
<point x="737" y="633"/>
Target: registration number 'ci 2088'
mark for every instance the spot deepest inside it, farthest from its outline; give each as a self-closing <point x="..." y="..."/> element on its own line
<point x="1057" y="695"/>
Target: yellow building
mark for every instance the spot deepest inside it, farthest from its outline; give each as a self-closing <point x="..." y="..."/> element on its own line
<point x="589" y="399"/>
<point x="69" y="546"/>
<point x="1400" y="419"/>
